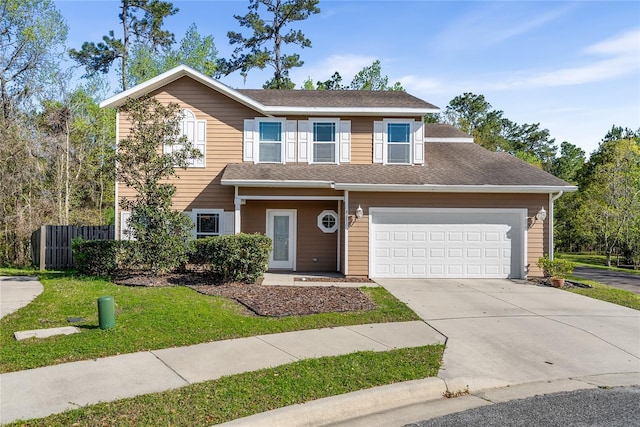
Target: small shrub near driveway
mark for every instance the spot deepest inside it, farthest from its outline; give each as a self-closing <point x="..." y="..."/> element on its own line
<point x="556" y="268"/>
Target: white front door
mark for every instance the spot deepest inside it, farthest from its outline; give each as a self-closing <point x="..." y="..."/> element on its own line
<point x="281" y="228"/>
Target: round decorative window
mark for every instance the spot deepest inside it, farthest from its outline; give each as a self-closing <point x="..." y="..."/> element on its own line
<point x="328" y="221"/>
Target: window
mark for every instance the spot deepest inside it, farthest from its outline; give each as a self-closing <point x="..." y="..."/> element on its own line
<point x="195" y="132"/>
<point x="324" y="142"/>
<point x="328" y="221"/>
<point x="399" y="143"/>
<point x="270" y="142"/>
<point x="208" y="222"/>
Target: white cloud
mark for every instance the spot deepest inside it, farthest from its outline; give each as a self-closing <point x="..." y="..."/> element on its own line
<point x="625" y="44"/>
<point x="610" y="59"/>
<point x="494" y="23"/>
<point x="621" y="58"/>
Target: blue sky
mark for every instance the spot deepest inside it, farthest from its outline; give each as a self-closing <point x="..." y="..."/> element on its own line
<point x="574" y="67"/>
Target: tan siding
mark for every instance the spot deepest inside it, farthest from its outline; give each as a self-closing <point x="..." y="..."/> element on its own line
<point x="362" y="140"/>
<point x="200" y="187"/>
<point x="537" y="236"/>
<point x="311" y="242"/>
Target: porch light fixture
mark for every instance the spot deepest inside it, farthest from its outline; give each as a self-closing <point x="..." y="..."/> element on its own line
<point x="541" y="215"/>
<point x="359" y="212"/>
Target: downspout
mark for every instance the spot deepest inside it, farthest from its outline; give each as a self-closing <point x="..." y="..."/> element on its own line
<point x="346" y="232"/>
<point x="338" y="248"/>
<point x="116" y="219"/>
<point x="552" y="199"/>
<point x="236" y="217"/>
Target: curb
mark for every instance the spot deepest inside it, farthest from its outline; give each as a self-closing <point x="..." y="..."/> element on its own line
<point x="351" y="405"/>
<point x="343" y="409"/>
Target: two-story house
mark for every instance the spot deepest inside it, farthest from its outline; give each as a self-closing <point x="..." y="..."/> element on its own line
<point x="352" y="182"/>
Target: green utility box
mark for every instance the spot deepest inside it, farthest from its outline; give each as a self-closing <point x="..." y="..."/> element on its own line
<point x="106" y="312"/>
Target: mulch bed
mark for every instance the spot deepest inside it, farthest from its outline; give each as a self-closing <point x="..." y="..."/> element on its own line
<point x="333" y="279"/>
<point x="544" y="281"/>
<point x="279" y="301"/>
<point x="274" y="301"/>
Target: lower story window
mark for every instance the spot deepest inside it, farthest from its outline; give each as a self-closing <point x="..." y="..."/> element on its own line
<point x="328" y="221"/>
<point x="208" y="222"/>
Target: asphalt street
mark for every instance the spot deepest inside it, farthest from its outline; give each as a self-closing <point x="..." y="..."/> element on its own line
<point x="616" y="407"/>
<point x="617" y="279"/>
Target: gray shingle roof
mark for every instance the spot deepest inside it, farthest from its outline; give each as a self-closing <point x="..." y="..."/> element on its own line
<point x="335" y="98"/>
<point x="441" y="130"/>
<point x="446" y="164"/>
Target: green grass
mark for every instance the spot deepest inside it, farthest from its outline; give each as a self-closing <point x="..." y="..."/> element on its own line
<point x="150" y="318"/>
<point x="594" y="261"/>
<point x="241" y="395"/>
<point x="606" y="293"/>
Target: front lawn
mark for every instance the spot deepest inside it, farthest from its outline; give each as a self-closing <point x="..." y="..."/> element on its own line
<point x="151" y="318"/>
<point x="237" y="396"/>
<point x="606" y="293"/>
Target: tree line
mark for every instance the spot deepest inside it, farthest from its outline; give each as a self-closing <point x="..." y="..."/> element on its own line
<point x="57" y="150"/>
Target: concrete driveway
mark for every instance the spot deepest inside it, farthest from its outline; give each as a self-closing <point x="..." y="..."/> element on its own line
<point x="503" y="333"/>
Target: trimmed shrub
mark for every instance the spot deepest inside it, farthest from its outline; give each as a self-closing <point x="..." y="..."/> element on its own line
<point x="233" y="258"/>
<point x="105" y="257"/>
<point x="95" y="257"/>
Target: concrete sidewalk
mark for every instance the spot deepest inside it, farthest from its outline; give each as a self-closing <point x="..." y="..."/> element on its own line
<point x="17" y="291"/>
<point x="43" y="391"/>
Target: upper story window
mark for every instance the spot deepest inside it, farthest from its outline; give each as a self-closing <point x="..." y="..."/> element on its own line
<point x="324" y="142"/>
<point x="195" y="132"/>
<point x="399" y="143"/>
<point x="270" y="142"/>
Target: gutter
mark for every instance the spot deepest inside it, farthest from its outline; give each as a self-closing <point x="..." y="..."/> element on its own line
<point x="405" y="188"/>
<point x="278" y="183"/>
<point x="456" y="188"/>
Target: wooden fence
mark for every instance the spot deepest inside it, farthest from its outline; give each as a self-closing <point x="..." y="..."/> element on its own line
<point x="51" y="244"/>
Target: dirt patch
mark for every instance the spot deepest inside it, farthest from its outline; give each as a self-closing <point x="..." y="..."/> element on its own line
<point x="273" y="301"/>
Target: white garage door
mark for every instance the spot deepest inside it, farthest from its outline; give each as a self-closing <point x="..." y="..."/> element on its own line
<point x="455" y="243"/>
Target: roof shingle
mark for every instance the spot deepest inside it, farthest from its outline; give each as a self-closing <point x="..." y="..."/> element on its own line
<point x="455" y="164"/>
<point x="442" y="130"/>
<point x="335" y="98"/>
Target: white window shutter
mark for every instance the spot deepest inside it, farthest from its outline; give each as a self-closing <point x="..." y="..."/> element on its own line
<point x="378" y="142"/>
<point x="418" y="142"/>
<point x="290" y="141"/>
<point x="345" y="141"/>
<point x="303" y="140"/>
<point x="126" y="233"/>
<point x="249" y="141"/>
<point x="228" y="222"/>
<point x="200" y="142"/>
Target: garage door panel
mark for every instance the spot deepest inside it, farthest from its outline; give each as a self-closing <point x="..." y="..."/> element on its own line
<point x="436" y="236"/>
<point x="474" y="253"/>
<point x="419" y="236"/>
<point x="443" y="245"/>
<point x="455" y="253"/>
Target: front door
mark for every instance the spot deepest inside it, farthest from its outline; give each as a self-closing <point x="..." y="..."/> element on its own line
<point x="281" y="228"/>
